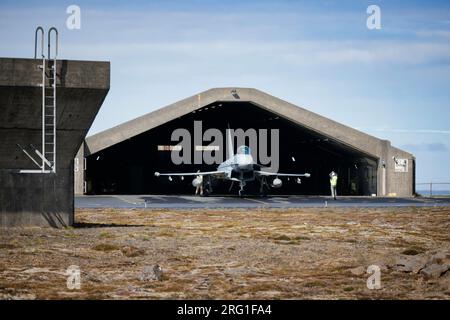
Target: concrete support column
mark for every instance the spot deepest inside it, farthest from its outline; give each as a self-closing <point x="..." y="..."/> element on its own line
<point x="79" y="168"/>
<point x="383" y="163"/>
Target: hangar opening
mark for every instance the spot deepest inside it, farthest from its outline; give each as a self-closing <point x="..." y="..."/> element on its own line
<point x="128" y="167"/>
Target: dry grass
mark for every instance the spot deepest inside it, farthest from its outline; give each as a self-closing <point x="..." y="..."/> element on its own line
<point x="227" y="254"/>
<point x="105" y="247"/>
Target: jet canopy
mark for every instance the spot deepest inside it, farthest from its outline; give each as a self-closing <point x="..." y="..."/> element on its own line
<point x="243" y="150"/>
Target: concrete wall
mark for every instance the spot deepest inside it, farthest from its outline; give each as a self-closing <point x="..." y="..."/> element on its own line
<point x="400" y="184"/>
<point x="44" y="199"/>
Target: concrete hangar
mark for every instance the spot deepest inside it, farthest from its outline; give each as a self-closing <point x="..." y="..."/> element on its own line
<point x="123" y="159"/>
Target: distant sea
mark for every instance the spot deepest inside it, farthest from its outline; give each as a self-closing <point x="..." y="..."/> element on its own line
<point x="425" y="192"/>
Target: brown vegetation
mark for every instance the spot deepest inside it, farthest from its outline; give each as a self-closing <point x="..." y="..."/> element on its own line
<point x="228" y="254"/>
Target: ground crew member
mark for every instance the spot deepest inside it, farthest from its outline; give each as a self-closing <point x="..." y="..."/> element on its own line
<point x="199" y="189"/>
<point x="333" y="184"/>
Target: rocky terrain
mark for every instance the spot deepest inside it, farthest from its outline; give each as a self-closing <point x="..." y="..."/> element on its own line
<point x="229" y="254"/>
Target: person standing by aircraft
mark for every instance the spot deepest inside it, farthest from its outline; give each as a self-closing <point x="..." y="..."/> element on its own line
<point x="333" y="184"/>
<point x="199" y="189"/>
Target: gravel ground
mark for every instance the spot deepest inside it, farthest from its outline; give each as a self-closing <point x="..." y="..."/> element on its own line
<point x="231" y="254"/>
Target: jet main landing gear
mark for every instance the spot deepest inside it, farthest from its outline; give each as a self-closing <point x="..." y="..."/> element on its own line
<point x="263" y="187"/>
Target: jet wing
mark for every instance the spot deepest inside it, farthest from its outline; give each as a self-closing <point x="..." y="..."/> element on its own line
<point x="205" y="173"/>
<point x="274" y="174"/>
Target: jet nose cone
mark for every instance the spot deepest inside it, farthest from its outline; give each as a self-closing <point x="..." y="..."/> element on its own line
<point x="245" y="162"/>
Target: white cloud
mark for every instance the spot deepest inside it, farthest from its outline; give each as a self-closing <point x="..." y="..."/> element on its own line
<point x="298" y="53"/>
<point x="276" y="36"/>
<point x="412" y="131"/>
<point x="434" y="33"/>
<point x="431" y="147"/>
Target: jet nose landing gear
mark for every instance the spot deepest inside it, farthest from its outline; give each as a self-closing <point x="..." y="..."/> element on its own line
<point x="241" y="188"/>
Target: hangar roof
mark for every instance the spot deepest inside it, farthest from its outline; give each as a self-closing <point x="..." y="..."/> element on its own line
<point x="353" y="138"/>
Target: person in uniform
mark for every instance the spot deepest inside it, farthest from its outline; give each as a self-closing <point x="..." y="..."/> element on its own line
<point x="333" y="184"/>
<point x="199" y="189"/>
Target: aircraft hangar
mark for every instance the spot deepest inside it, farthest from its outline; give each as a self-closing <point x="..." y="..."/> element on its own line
<point x="123" y="159"/>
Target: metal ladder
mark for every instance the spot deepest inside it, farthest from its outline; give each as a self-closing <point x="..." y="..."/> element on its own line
<point x="47" y="154"/>
<point x="49" y="107"/>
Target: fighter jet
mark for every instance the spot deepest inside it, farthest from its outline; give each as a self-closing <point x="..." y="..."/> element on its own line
<point x="239" y="167"/>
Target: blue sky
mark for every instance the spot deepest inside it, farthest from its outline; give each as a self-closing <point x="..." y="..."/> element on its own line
<point x="392" y="83"/>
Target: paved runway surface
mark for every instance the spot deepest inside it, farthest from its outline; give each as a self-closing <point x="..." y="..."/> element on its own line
<point x="219" y="202"/>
